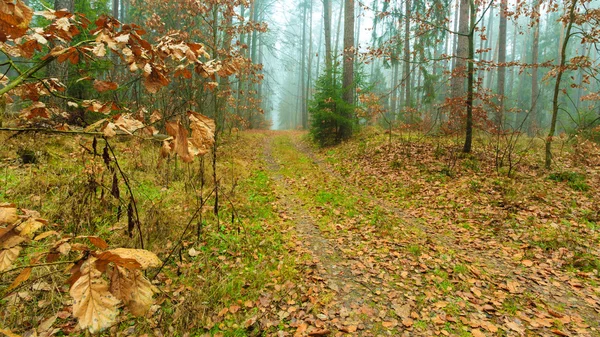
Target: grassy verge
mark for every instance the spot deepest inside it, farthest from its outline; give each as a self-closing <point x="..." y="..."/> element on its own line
<point x="222" y="273"/>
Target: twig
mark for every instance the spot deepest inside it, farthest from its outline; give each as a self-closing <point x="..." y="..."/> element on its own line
<point x="36" y="265"/>
<point x="126" y="180"/>
<point x="198" y="210"/>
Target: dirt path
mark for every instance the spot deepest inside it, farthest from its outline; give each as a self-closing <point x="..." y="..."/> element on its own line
<point x="331" y="265"/>
<point x="404" y="276"/>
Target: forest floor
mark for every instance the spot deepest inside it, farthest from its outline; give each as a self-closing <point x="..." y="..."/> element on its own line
<point x="397" y="251"/>
<point x="371" y="238"/>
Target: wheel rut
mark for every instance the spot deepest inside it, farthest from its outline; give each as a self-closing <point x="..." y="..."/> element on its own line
<point x="331" y="265"/>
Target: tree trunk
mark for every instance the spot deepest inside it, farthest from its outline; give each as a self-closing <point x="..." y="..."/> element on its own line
<point x="458" y="79"/>
<point x="406" y="75"/>
<point x="60" y="70"/>
<point x="501" y="67"/>
<point x="533" y="115"/>
<point x="303" y="111"/>
<point x="561" y="69"/>
<point x="327" y="31"/>
<point x="470" y="81"/>
<point x="455" y="37"/>
<point x="374" y="38"/>
<point x="339" y="25"/>
<point x="348" y="68"/>
<point x="310" y="57"/>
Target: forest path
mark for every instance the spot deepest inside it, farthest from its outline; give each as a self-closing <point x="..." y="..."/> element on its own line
<point x="379" y="270"/>
<point x="346" y="300"/>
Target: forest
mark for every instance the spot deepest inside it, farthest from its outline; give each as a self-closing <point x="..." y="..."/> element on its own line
<point x="299" y="168"/>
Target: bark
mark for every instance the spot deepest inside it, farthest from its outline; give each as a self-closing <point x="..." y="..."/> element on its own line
<point x="455" y="36"/>
<point x="115" y="9"/>
<point x="303" y="111"/>
<point x="459" y="72"/>
<point x="339" y="25"/>
<point x="488" y="45"/>
<point x="374" y="37"/>
<point x="501" y="67"/>
<point x="407" y="77"/>
<point x="348" y="67"/>
<point x="561" y="69"/>
<point x="394" y="95"/>
<point x="310" y="57"/>
<point x="470" y="82"/>
<point x="327" y="32"/>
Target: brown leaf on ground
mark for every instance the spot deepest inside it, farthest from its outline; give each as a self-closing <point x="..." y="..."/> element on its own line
<point x="8" y="257"/>
<point x="8" y="215"/>
<point x="93" y="304"/>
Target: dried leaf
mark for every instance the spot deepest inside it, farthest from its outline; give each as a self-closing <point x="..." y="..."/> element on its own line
<point x="8" y="256"/>
<point x="8" y="215"/>
<point x="477" y="333"/>
<point x="203" y="132"/>
<point x="131" y="287"/>
<point x="144" y="258"/>
<point x="8" y="333"/>
<point x="180" y="140"/>
<point x="14" y="19"/>
<point x="29" y="227"/>
<point x="22" y="277"/>
<point x="128" y="123"/>
<point x="102" y="86"/>
<point x="93" y="305"/>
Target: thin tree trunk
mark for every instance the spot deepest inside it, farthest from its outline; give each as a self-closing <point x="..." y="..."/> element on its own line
<point x="327" y="32"/>
<point x="533" y="115"/>
<point x="303" y="111"/>
<point x="339" y="26"/>
<point x="501" y="67"/>
<point x="348" y="70"/>
<point x="563" y="56"/>
<point x="458" y="80"/>
<point x="455" y="37"/>
<point x="310" y="56"/>
<point x="406" y="75"/>
<point x="470" y="82"/>
<point x="374" y="38"/>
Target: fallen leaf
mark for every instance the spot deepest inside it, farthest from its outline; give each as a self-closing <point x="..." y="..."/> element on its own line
<point x="93" y="304"/>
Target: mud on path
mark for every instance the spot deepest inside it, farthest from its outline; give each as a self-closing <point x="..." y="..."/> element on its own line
<point x="377" y="270"/>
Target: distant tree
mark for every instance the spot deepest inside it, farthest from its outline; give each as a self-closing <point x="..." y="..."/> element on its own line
<point x="348" y="67"/>
<point x="501" y="65"/>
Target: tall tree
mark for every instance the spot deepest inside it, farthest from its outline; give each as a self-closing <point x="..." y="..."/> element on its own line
<point x="462" y="50"/>
<point x="304" y="111"/>
<point x="407" y="77"/>
<point x="327" y="31"/>
<point x="348" y="67"/>
<point x="561" y="69"/>
<point x="471" y="12"/>
<point x="501" y="65"/>
<point x="535" y="22"/>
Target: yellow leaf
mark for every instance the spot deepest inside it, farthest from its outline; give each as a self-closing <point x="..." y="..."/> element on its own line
<point x="23" y="276"/>
<point x="477" y="333"/>
<point x="93" y="305"/>
<point x="133" y="288"/>
<point x="8" y="333"/>
<point x="8" y="256"/>
<point x="8" y="215"/>
<point x="29" y="227"/>
<point x="145" y="258"/>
